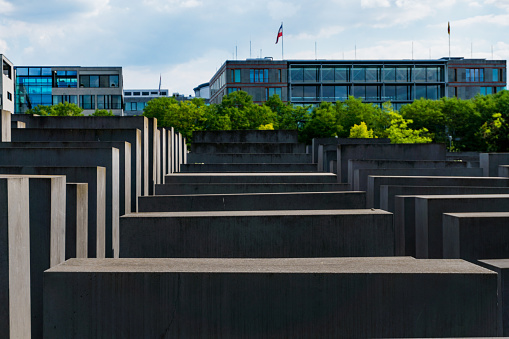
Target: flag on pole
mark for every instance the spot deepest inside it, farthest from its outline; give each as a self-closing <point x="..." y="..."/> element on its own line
<point x="159" y="92"/>
<point x="448" y="28"/>
<point x="279" y="33"/>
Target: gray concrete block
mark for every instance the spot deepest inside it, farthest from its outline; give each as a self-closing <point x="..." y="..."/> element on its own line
<point x="463" y="156"/>
<point x="360" y="182"/>
<point x="5" y="126"/>
<point x="95" y="177"/>
<point x="258" y="298"/>
<point x="76" y="221"/>
<point x="47" y="199"/>
<point x="491" y="161"/>
<point x="164" y="154"/>
<point x="106" y="157"/>
<point x="503" y="171"/>
<point x="257" y="234"/>
<point x="253" y="202"/>
<point x="15" y="309"/>
<point x="399" y="164"/>
<point x="386" y="152"/>
<point x="245" y="136"/>
<point x="501" y="267"/>
<point x="259" y="178"/>
<point x="474" y="236"/>
<point x="389" y="192"/>
<point x="429" y="212"/>
<point x="247" y="147"/>
<point x="139" y="181"/>
<point x="264" y="167"/>
<point x="249" y="158"/>
<point x="374" y="183"/>
<point x="342" y="141"/>
<point x="171" y="150"/>
<point x="326" y="153"/>
<point x="17" y="124"/>
<point x="190" y="188"/>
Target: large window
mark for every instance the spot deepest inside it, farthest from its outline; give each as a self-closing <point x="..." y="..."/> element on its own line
<point x="33" y="87"/>
<point x="428" y="92"/>
<point x="296" y="74"/>
<point x="304" y="93"/>
<point x="398" y="93"/>
<point x="72" y="99"/>
<point x="334" y="93"/>
<point x="311" y="74"/>
<point x="87" y="101"/>
<point x="233" y="89"/>
<point x="66" y="79"/>
<point x="474" y="75"/>
<point x="109" y="101"/>
<point x="367" y="92"/>
<point x="259" y="75"/>
<point x="7" y="70"/>
<point x="273" y="90"/>
<point x="96" y="81"/>
<point x="235" y="75"/>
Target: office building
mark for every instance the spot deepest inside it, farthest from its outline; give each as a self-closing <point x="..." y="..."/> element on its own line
<point x="203" y="91"/>
<point x="90" y="88"/>
<point x="136" y="99"/>
<point x="7" y="85"/>
<point x="304" y="82"/>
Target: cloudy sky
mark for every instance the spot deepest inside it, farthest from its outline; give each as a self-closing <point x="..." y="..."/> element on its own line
<point x="186" y="41"/>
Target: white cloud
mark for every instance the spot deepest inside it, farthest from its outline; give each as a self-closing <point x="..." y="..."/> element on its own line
<point x="282" y="9"/>
<point x="171" y="5"/>
<point x="5" y="7"/>
<point x="324" y="33"/>
<point x="375" y="3"/>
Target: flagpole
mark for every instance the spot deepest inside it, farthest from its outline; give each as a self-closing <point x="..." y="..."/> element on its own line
<point x="282" y="43"/>
<point x="449" y="33"/>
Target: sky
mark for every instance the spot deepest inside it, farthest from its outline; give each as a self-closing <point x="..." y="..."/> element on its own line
<point x="186" y="41"/>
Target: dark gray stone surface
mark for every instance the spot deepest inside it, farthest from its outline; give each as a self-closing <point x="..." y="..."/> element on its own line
<point x="374" y="183"/>
<point x="181" y="178"/>
<point x="172" y="189"/>
<point x="15" y="309"/>
<point x="253" y="202"/>
<point x="247" y="147"/>
<point x="474" y="236"/>
<point x="342" y="141"/>
<point x="76" y="221"/>
<point x="245" y="136"/>
<point x="139" y="181"/>
<point x="95" y="177"/>
<point x="429" y="217"/>
<point x="491" y="161"/>
<point x="106" y="157"/>
<point x="249" y="158"/>
<point x="361" y="175"/>
<point x="257" y="234"/>
<point x="387" y="152"/>
<point x="257" y="298"/>
<point x="264" y="167"/>
<point x="503" y="171"/>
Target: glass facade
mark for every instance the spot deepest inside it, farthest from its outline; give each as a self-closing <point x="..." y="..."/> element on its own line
<point x="98" y="81"/>
<point x="258" y="75"/>
<point x="33" y="87"/>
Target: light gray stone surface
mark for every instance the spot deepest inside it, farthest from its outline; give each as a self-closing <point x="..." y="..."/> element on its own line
<point x="253" y="201"/>
<point x="253" y="298"/>
<point x="15" y="311"/>
<point x="5" y="126"/>
<point x="257" y="234"/>
<point x="76" y="221"/>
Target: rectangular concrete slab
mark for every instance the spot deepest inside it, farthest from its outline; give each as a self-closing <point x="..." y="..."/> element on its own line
<point x="106" y="157"/>
<point x="15" y="314"/>
<point x="76" y="221"/>
<point x="253" y="202"/>
<point x="247" y="167"/>
<point x="257" y="298"/>
<point x="245" y="136"/>
<point x="217" y="177"/>
<point x="257" y="234"/>
<point x="374" y="183"/>
<point x="5" y="126"/>
<point x="316" y="142"/>
<point x="247" y="147"/>
<point x="95" y="177"/>
<point x="249" y="158"/>
<point x="190" y="188"/>
<point x="429" y="212"/>
<point x="501" y="267"/>
<point x="387" y="152"/>
<point x="474" y="236"/>
<point x="491" y="161"/>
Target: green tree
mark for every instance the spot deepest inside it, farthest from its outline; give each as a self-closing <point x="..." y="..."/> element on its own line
<point x="494" y="134"/>
<point x="400" y="133"/>
<point x="61" y="109"/>
<point x="426" y="113"/>
<point x="159" y="107"/>
<point x="361" y="131"/>
<point x="462" y="122"/>
<point x="103" y="113"/>
<point x="322" y="124"/>
<point x="41" y="110"/>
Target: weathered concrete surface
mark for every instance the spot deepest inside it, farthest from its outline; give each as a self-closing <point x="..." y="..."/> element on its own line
<point x="76" y="221"/>
<point x="15" y="312"/>
<point x="245" y="136"/>
<point x="257" y="234"/>
<point x="258" y="298"/>
<point x="5" y="126"/>
<point x="247" y="147"/>
<point x="263" y="167"/>
<point x="389" y="192"/>
<point x="17" y="124"/>
<point x="139" y="181"/>
<point x="474" y="236"/>
<point x="503" y="171"/>
<point x="209" y="178"/>
<point x="163" y="154"/>
<point x="124" y="162"/>
<point x="342" y="141"/>
<point x="253" y="202"/>
<point x="387" y="152"/>
<point x="326" y="153"/>
<point x="429" y="217"/>
<point x="106" y="157"/>
<point x="249" y="158"/>
<point x="400" y="164"/>
<point x="361" y="175"/>
<point x="95" y="177"/>
<point x="129" y="122"/>
<point x="491" y="161"/>
<point x="374" y="183"/>
<point x="172" y="189"/>
<point x="501" y="267"/>
<point x="47" y="197"/>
